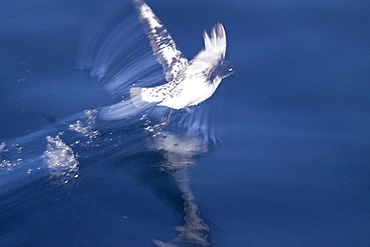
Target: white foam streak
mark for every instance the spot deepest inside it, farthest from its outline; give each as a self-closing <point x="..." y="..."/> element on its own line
<point x="60" y="159"/>
<point x="2" y="146"/>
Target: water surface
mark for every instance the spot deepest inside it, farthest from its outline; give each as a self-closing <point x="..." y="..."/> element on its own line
<point x="290" y="166"/>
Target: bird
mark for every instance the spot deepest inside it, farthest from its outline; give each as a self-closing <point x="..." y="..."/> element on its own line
<point x="189" y="83"/>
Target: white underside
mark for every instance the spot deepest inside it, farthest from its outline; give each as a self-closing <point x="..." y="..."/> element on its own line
<point x="187" y="93"/>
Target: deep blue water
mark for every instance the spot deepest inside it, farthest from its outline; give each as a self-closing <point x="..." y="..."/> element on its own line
<point x="290" y="166"/>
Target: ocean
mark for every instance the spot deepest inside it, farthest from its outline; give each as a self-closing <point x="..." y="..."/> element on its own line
<point x="278" y="156"/>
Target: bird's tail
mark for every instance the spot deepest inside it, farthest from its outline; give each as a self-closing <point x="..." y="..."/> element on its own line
<point x="124" y="109"/>
<point x="135" y="95"/>
<point x="154" y="97"/>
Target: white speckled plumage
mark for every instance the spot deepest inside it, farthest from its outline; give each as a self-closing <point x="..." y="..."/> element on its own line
<point x="188" y="83"/>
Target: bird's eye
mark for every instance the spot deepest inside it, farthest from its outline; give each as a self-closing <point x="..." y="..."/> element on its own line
<point x="224" y="69"/>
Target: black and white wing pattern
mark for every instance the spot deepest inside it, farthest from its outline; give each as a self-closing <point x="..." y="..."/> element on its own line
<point x="168" y="55"/>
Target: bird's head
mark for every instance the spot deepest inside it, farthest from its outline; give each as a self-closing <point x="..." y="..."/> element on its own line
<point x="222" y="70"/>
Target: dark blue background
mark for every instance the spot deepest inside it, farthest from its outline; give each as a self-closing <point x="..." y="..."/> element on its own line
<point x="293" y="166"/>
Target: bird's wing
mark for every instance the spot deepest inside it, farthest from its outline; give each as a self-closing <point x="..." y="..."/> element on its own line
<point x="213" y="53"/>
<point x="114" y="47"/>
<point x="168" y="55"/>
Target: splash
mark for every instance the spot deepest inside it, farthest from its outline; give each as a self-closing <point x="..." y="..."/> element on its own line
<point x="7" y="164"/>
<point x="85" y="125"/>
<point x="60" y="159"/>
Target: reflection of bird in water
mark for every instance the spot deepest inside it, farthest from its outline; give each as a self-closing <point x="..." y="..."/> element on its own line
<point x="179" y="152"/>
<point x="188" y="83"/>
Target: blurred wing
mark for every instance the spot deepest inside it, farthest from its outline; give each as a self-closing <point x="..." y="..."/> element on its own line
<point x="115" y="50"/>
<point x="198" y="124"/>
<point x="169" y="56"/>
<point x="213" y="53"/>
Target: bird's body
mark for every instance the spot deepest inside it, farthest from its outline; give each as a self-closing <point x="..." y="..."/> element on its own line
<point x="176" y="95"/>
<point x="189" y="83"/>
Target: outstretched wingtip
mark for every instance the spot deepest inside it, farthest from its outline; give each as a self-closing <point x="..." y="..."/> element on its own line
<point x="163" y="46"/>
<point x="216" y="41"/>
<point x="138" y="2"/>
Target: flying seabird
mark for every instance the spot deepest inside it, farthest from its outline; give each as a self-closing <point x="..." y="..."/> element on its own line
<point x="188" y="83"/>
